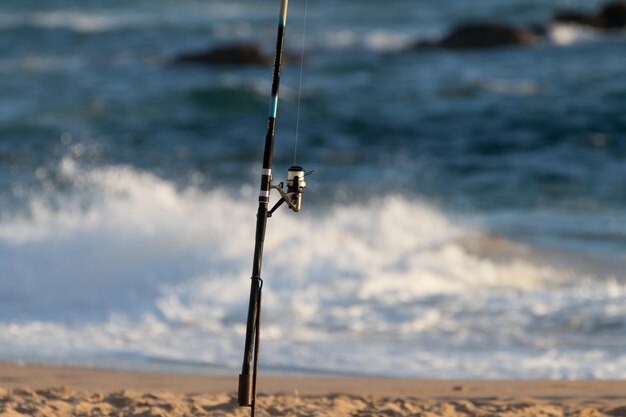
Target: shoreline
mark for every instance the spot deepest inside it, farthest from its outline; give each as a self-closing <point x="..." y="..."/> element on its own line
<point x="40" y="376"/>
<point x="41" y="390"/>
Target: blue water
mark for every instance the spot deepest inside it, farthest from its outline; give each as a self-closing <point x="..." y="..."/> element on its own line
<point x="466" y="217"/>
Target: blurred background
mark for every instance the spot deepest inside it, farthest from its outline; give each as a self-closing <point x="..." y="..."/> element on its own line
<point x="466" y="217"/>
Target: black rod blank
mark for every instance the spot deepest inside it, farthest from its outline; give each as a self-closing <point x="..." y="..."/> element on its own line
<point x="247" y="378"/>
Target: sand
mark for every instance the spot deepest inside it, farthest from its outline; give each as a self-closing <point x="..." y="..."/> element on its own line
<point x="54" y="391"/>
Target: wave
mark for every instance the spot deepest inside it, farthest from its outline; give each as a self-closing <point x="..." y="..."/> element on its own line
<point x="120" y="221"/>
<point x="375" y="40"/>
<point x="128" y="263"/>
<point x="520" y="88"/>
<point x="97" y="21"/>
<point x="567" y="34"/>
<point x="78" y="21"/>
<point x="225" y="19"/>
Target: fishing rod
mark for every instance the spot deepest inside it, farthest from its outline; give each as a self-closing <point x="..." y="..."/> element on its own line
<point x="293" y="197"/>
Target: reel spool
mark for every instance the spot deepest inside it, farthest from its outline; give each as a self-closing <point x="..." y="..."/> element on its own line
<point x="295" y="186"/>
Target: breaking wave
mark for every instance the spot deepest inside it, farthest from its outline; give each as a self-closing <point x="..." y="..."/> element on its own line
<point x="130" y="264"/>
<point x="566" y="35"/>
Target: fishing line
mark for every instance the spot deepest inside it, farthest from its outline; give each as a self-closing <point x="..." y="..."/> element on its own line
<point x="295" y="152"/>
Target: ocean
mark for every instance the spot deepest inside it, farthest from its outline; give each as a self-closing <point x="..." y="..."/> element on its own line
<point x="466" y="217"/>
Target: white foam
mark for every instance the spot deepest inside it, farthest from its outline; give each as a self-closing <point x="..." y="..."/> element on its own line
<point x="137" y="231"/>
<point x="381" y="40"/>
<point x="129" y="263"/>
<point x="377" y="40"/>
<point x="95" y="20"/>
<point x="77" y="21"/>
<point x="80" y="21"/>
<point x="568" y="34"/>
<point x="504" y="87"/>
<point x="514" y="87"/>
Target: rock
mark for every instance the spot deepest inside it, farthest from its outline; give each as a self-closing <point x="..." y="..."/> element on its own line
<point x="487" y="35"/>
<point x="578" y="18"/>
<point x="484" y="35"/>
<point x="237" y="54"/>
<point x="613" y="15"/>
<point x="242" y="54"/>
<point x="539" y="29"/>
<point x="425" y="43"/>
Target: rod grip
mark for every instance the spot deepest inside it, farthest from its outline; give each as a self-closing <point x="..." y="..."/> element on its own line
<point x="244" y="399"/>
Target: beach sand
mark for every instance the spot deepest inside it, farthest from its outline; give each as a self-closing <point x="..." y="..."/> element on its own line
<point x="31" y="390"/>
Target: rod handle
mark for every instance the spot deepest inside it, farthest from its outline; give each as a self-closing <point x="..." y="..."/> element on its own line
<point x="245" y="390"/>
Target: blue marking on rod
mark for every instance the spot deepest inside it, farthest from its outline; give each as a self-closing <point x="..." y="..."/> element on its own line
<point x="273" y="107"/>
<point x="281" y="21"/>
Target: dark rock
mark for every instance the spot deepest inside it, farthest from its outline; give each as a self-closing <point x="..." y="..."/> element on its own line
<point x="238" y="54"/>
<point x="613" y="15"/>
<point x="578" y="18"/>
<point x="242" y="54"/>
<point x="539" y="29"/>
<point x="425" y="43"/>
<point x="487" y="35"/>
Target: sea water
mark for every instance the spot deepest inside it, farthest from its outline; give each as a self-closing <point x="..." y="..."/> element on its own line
<point x="466" y="217"/>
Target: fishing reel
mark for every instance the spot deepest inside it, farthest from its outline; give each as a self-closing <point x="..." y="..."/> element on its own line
<point x="295" y="187"/>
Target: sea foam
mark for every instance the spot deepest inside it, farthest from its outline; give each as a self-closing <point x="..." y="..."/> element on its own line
<point x="568" y="34"/>
<point x="130" y="264"/>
